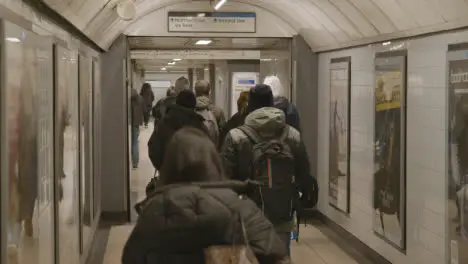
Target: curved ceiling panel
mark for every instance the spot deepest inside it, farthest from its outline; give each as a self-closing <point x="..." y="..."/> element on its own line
<point x="326" y="24"/>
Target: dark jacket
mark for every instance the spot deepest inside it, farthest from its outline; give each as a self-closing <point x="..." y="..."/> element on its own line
<point x="179" y="221"/>
<point x="161" y="107"/>
<point x="290" y="112"/>
<point x="175" y="118"/>
<point x="204" y="102"/>
<point x="148" y="96"/>
<point x="268" y="122"/>
<point x="235" y="121"/>
<point x="137" y="109"/>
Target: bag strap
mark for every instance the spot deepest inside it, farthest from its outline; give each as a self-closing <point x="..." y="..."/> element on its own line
<point x="252" y="134"/>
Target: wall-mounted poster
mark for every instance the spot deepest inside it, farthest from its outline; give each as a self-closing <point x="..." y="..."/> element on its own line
<point x="457" y="158"/>
<point x="339" y="165"/>
<point x="242" y="81"/>
<point x="390" y="146"/>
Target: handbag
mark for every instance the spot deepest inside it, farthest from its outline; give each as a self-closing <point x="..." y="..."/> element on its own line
<point x="153" y="184"/>
<point x="232" y="254"/>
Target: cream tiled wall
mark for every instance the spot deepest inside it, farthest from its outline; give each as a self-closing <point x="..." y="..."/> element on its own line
<point x="426" y="147"/>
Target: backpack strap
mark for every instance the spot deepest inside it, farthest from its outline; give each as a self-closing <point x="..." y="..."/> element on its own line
<point x="252" y="134"/>
<point x="285" y="133"/>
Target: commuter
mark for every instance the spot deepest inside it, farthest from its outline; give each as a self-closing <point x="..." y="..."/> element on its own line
<point x="238" y="118"/>
<point x="148" y="98"/>
<point x="156" y="110"/>
<point x="195" y="209"/>
<point x="179" y="115"/>
<point x="263" y="146"/>
<point x="160" y="110"/>
<point x="290" y="111"/>
<point x="137" y="116"/>
<point x="213" y="115"/>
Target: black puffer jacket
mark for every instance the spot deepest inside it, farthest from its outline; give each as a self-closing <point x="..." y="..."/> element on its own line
<point x="175" y="118"/>
<point x="179" y="221"/>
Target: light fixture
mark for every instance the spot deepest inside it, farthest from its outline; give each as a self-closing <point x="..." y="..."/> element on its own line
<point x="387" y="43"/>
<point x="163" y="69"/>
<point x="200" y="14"/>
<point x="219" y="4"/>
<point x="176" y="59"/>
<point x="171" y="63"/>
<point x="126" y="10"/>
<point x="14" y="40"/>
<point x="203" y="42"/>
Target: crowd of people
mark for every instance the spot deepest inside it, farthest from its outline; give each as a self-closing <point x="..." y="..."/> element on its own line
<point x="227" y="191"/>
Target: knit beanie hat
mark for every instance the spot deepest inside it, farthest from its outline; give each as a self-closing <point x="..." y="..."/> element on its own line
<point x="260" y="96"/>
<point x="186" y="98"/>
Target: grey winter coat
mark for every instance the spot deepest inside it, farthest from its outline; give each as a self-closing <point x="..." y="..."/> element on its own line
<point x="204" y="102"/>
<point x="179" y="221"/>
<point x="269" y="123"/>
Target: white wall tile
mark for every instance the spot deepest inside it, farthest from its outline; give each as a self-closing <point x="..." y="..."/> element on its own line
<point x="426" y="148"/>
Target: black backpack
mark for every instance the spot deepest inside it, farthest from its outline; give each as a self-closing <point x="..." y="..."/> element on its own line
<point x="273" y="166"/>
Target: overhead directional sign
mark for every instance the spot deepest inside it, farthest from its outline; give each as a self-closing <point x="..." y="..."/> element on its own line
<point x="195" y="54"/>
<point x="220" y="22"/>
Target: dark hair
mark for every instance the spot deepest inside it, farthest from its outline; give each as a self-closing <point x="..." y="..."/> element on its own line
<point x="171" y="92"/>
<point x="186" y="98"/>
<point x="202" y="87"/>
<point x="146" y="86"/>
<point x="191" y="156"/>
<point x="260" y="96"/>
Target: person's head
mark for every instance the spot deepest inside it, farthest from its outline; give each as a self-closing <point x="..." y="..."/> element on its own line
<point x="260" y="96"/>
<point x="202" y="88"/>
<point x="275" y="85"/>
<point x="186" y="98"/>
<point x="242" y="102"/>
<point x="171" y="92"/>
<point x="146" y="86"/>
<point x="191" y="157"/>
<point x="181" y="84"/>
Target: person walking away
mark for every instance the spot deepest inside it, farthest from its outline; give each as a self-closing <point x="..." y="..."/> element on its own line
<point x="213" y="115"/>
<point x="238" y="118"/>
<point x="267" y="150"/>
<point x="195" y="210"/>
<point x="178" y="116"/>
<point x="137" y="116"/>
<point x="148" y="98"/>
<point x="161" y="108"/>
<point x="158" y="108"/>
<point x="290" y="111"/>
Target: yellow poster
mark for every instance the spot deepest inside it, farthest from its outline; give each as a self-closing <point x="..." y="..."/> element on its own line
<point x="388" y="90"/>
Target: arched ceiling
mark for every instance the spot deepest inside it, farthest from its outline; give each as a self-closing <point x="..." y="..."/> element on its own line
<point x="325" y="24"/>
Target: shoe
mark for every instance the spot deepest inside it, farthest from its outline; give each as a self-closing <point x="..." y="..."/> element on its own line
<point x="28" y="227"/>
<point x="13" y="254"/>
<point x="135" y="167"/>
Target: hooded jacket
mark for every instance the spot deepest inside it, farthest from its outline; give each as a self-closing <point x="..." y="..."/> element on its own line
<point x="204" y="102"/>
<point x="268" y="122"/>
<point x="161" y="107"/>
<point x="179" y="221"/>
<point x="175" y="118"/>
<point x="290" y="112"/>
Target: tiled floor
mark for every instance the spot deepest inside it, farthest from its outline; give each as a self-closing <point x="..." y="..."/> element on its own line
<point x="314" y="247"/>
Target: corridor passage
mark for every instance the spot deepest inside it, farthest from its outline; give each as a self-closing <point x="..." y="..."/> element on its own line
<point x="318" y="244"/>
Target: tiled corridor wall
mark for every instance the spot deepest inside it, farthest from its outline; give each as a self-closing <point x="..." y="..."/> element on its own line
<point x="426" y="148"/>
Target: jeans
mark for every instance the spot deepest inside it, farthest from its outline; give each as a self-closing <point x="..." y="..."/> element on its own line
<point x="135" y="145"/>
<point x="286" y="238"/>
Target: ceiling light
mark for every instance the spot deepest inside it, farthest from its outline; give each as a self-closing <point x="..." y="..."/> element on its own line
<point x="387" y="43"/>
<point x="15" y="40"/>
<point x="203" y="42"/>
<point x="176" y="59"/>
<point x="219" y="4"/>
<point x="163" y="69"/>
<point x="171" y="63"/>
<point x="201" y="15"/>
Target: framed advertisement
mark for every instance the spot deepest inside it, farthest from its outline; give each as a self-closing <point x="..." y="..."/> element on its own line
<point x="457" y="158"/>
<point x="389" y="221"/>
<point x="339" y="134"/>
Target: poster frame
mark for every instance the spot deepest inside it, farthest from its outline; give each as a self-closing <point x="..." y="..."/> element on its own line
<point x="403" y="55"/>
<point x="346" y="60"/>
<point x="456" y="52"/>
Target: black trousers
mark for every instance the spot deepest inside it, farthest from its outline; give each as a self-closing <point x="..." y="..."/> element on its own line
<point x="146" y="116"/>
